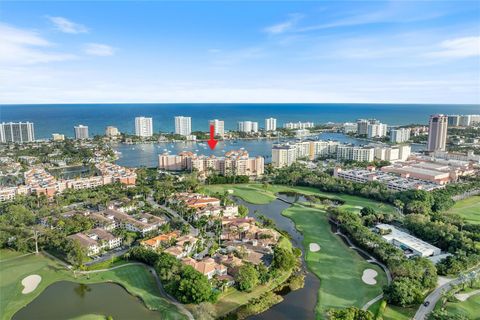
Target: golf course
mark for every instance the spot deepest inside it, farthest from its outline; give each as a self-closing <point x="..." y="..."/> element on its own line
<point x="15" y="267"/>
<point x="339" y="268"/>
<point x="468" y="208"/>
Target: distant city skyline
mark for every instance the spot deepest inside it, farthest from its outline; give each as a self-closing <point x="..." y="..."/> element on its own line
<point x="121" y="116"/>
<point x="323" y="52"/>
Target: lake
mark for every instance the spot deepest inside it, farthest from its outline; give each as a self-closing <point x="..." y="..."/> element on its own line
<point x="66" y="300"/>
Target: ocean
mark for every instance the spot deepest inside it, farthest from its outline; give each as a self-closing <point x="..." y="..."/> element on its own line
<point x="52" y="118"/>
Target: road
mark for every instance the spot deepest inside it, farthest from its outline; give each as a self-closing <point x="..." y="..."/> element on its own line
<point x="435" y="295"/>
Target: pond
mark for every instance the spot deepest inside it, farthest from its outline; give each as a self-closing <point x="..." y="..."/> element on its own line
<point x="66" y="300"/>
<point x="299" y="304"/>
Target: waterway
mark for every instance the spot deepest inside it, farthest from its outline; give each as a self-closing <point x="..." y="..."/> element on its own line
<point x="67" y="300"/>
<point x="146" y="154"/>
<point x="299" y="304"/>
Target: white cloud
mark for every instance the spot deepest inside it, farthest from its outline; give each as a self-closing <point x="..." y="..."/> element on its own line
<point x="98" y="49"/>
<point x="458" y="48"/>
<point x="23" y="47"/>
<point x="64" y="25"/>
<point x="284" y="26"/>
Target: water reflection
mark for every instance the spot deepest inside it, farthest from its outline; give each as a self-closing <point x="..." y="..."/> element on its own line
<point x="67" y="300"/>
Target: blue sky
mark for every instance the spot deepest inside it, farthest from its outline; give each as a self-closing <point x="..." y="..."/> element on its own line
<point x="339" y="51"/>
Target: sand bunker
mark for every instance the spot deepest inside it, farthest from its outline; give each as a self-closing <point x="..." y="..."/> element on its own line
<point x="314" y="247"/>
<point x="358" y="207"/>
<point x="30" y="283"/>
<point x="369" y="276"/>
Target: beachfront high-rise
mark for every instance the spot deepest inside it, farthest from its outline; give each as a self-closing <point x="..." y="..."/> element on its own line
<point x="270" y="124"/>
<point x="81" y="132"/>
<point x="17" y="132"/>
<point x="143" y="127"/>
<point x="247" y="126"/>
<point x="219" y="127"/>
<point x="183" y="125"/>
<point x="437" y="133"/>
<point x="399" y="135"/>
<point x="111" y="131"/>
<point x="376" y="130"/>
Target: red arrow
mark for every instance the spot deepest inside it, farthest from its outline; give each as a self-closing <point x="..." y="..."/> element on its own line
<point x="212" y="142"/>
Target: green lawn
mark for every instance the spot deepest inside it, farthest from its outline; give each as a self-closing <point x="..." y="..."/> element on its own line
<point x="136" y="279"/>
<point x="468" y="208"/>
<point x="469" y="308"/>
<point x="339" y="268"/>
<point x="398" y="313"/>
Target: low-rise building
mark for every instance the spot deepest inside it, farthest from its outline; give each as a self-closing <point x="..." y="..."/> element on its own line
<point x="392" y="181"/>
<point x="183" y="247"/>
<point x="163" y="239"/>
<point x="96" y="240"/>
<point x="141" y="222"/>
<point x="412" y="246"/>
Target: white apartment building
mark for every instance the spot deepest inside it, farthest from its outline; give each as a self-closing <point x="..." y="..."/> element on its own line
<point x="81" y="132"/>
<point x="399" y="135"/>
<point x="17" y="132"/>
<point x="183" y="125"/>
<point x="247" y="126"/>
<point x="376" y="130"/>
<point x="298" y="125"/>
<point x="453" y="120"/>
<point x="464" y="120"/>
<point x="271" y="124"/>
<point x="143" y="127"/>
<point x="283" y="155"/>
<point x="346" y="152"/>
<point x="349" y="127"/>
<point x="393" y="153"/>
<point x="219" y="126"/>
<point x="111" y="131"/>
<point x="362" y="125"/>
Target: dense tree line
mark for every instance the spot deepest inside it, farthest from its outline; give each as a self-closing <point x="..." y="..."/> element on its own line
<point x="350" y="313"/>
<point x="222" y="179"/>
<point x="411" y="201"/>
<point x="411" y="277"/>
<point x="183" y="282"/>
